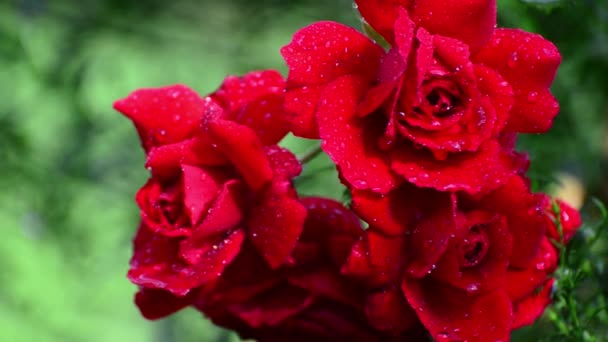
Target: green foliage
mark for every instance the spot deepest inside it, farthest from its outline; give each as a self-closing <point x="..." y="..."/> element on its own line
<point x="70" y="165"/>
<point x="579" y="310"/>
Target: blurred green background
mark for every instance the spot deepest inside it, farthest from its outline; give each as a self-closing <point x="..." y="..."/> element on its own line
<point x="70" y="165"/>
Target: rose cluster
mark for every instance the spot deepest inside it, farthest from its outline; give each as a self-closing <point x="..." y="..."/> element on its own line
<point x="443" y="236"/>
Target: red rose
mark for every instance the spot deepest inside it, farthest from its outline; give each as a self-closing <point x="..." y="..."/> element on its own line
<point x="434" y="109"/>
<point x="303" y="301"/>
<point x="172" y="114"/>
<point x="455" y="257"/>
<point x="214" y="187"/>
<point x="569" y="218"/>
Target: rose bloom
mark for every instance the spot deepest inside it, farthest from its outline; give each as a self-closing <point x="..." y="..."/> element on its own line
<point x="306" y="300"/>
<point x="440" y="109"/>
<point x="569" y="218"/>
<point x="218" y="180"/>
<point x="469" y="267"/>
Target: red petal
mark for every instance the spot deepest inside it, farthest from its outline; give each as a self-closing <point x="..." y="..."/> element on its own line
<point x="428" y="239"/>
<point x="404" y="34"/>
<point x="388" y="310"/>
<point x="528" y="62"/>
<point x="155" y="304"/>
<point x="376" y="260"/>
<point x="332" y="226"/>
<point x="386" y="213"/>
<point x="200" y="189"/>
<point x="283" y="163"/>
<point x="470" y="21"/>
<point x="327" y="283"/>
<point x="272" y="307"/>
<point x="523" y="282"/>
<point x="165" y="161"/>
<point x="382" y="14"/>
<point x="524" y="217"/>
<point x="275" y="225"/>
<point x="317" y="55"/>
<point x="163" y="115"/>
<point x="472" y="172"/>
<point x="242" y="146"/>
<point x="155" y="262"/>
<point x="452" y="315"/>
<point x="570" y="220"/>
<point x="529" y="309"/>
<point x="325" y="51"/>
<point x="490" y="273"/>
<point x="256" y="100"/>
<point x="386" y="255"/>
<point x="300" y="108"/>
<point x="349" y="140"/>
<point x="357" y="264"/>
<point x="499" y="92"/>
<point x="224" y="214"/>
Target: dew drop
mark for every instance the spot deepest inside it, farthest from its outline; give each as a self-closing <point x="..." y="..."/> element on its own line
<point x="472" y="288"/>
<point x="512" y="62"/>
<point x="359" y="183"/>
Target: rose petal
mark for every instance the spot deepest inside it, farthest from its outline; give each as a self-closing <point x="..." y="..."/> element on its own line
<point x="472" y="172"/>
<point x="386" y="255"/>
<point x="165" y="161"/>
<point x="301" y="108"/>
<point x="283" y="163"/>
<point x="528" y="62"/>
<point x="525" y="217"/>
<point x="404" y="34"/>
<point x="489" y="273"/>
<point x="242" y="146"/>
<point x="155" y="262"/>
<point x="224" y="214"/>
<point x="428" y="238"/>
<point x="256" y="100"/>
<point x="381" y="15"/>
<point x="330" y="226"/>
<point x="529" y="309"/>
<point x="451" y="315"/>
<point x="499" y="92"/>
<point x="272" y="307"/>
<point x="317" y="55"/>
<point x="163" y="115"/>
<point x="471" y="21"/>
<point x="275" y="224"/>
<point x="325" y="51"/>
<point x="326" y="282"/>
<point x="156" y="304"/>
<point x="570" y="220"/>
<point x="388" y="310"/>
<point x="349" y="140"/>
<point x="200" y="189"/>
<point x="523" y="282"/>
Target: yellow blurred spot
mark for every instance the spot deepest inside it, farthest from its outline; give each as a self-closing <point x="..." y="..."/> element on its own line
<point x="570" y="189"/>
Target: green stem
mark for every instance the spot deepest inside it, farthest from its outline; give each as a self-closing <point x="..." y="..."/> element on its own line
<point x="310" y="154"/>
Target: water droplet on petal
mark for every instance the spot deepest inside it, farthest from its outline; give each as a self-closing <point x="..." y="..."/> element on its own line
<point x="512" y="62"/>
<point x="472" y="288"/>
<point x="359" y="183"/>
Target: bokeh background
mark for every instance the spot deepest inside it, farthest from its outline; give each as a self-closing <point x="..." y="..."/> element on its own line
<point x="70" y="165"/>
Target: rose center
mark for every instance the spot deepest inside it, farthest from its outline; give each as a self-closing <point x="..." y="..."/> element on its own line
<point x="170" y="205"/>
<point x="437" y="106"/>
<point x="440" y="103"/>
<point x="474" y="247"/>
<point x="442" y="98"/>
